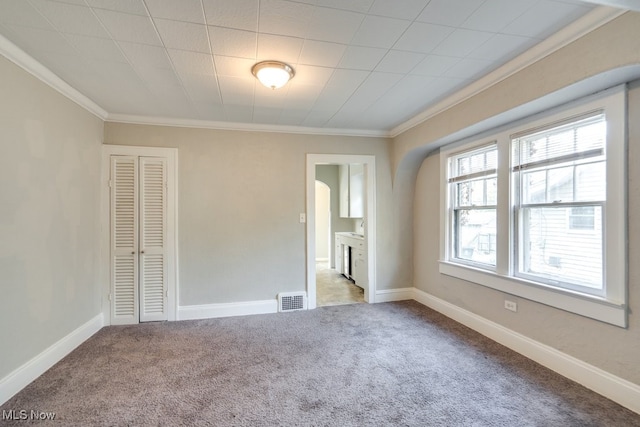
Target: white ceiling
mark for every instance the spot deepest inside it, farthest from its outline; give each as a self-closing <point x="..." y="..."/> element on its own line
<point x="360" y="64"/>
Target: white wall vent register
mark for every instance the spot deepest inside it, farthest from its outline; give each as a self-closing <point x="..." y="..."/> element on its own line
<point x="292" y="301"/>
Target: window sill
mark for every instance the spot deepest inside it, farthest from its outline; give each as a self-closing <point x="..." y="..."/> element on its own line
<point x="573" y="302"/>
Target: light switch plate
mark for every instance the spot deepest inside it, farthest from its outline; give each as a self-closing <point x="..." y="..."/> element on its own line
<point x="303" y="218"/>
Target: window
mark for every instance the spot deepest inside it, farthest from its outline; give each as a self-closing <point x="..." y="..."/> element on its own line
<point x="539" y="212"/>
<point x="473" y="182"/>
<point x="559" y="173"/>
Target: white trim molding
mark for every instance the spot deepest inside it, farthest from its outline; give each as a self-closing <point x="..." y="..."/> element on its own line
<point x="210" y="311"/>
<point x="400" y="294"/>
<point x="242" y="127"/>
<point x="25" y="374"/>
<point x="600" y="381"/>
<point x="16" y="55"/>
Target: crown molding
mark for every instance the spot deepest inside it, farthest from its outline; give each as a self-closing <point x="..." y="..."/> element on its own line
<point x="589" y="22"/>
<point x="19" y="57"/>
<point x="246" y="127"/>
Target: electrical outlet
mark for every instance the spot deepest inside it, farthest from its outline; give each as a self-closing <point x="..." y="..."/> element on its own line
<point x="511" y="305"/>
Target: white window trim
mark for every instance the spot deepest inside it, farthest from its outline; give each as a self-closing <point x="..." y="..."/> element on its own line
<point x="611" y="308"/>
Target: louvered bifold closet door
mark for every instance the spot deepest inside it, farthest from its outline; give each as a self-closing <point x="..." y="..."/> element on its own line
<point x="153" y="227"/>
<point x="124" y="240"/>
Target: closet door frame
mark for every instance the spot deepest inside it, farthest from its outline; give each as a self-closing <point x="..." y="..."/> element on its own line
<point x="171" y="156"/>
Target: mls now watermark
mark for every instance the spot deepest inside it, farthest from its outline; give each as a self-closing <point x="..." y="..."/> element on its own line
<point x="24" y="415"/>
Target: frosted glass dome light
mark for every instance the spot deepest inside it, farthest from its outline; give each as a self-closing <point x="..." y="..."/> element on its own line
<point x="273" y="74"/>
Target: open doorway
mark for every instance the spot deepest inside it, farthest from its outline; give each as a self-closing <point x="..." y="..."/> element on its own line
<point x="352" y="250"/>
<point x="332" y="287"/>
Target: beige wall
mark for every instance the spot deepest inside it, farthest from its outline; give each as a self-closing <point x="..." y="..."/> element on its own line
<point x="611" y="348"/>
<point x="49" y="216"/>
<point x="240" y="196"/>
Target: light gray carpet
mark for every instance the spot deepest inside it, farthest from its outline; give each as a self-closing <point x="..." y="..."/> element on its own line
<point x="349" y="365"/>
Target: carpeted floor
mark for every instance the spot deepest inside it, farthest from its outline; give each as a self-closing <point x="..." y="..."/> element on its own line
<point x="349" y="365"/>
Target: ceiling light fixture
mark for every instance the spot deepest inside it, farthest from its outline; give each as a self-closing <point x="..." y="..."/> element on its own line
<point x="273" y="74"/>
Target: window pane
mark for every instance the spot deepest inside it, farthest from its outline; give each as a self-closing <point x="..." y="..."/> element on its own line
<point x="492" y="191"/>
<point x="477" y="192"/>
<point x="534" y="187"/>
<point x="475" y="235"/>
<point x="560" y="185"/>
<point x="591" y="182"/>
<point x="553" y="251"/>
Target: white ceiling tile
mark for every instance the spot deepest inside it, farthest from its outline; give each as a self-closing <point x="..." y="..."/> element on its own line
<point x="434" y="65"/>
<point x="269" y="98"/>
<point x="129" y="28"/>
<point x="238" y="113"/>
<point x="317" y="119"/>
<point x="494" y="15"/>
<point x="33" y="40"/>
<point x="469" y="68"/>
<point x="449" y="12"/>
<point x="302" y="97"/>
<point x="321" y="53"/>
<point x="291" y="117"/>
<point x="183" y="35"/>
<point x="380" y="32"/>
<point x="236" y="90"/>
<point x="209" y="111"/>
<point x="285" y="17"/>
<point x="279" y="48"/>
<point x="191" y="62"/>
<point x="361" y="58"/>
<point x="20" y="12"/>
<point x="553" y="14"/>
<point x="502" y="47"/>
<point x="96" y="48"/>
<point x="422" y="37"/>
<point x="80" y="2"/>
<point x="233" y="67"/>
<point x="331" y="99"/>
<point x="158" y="77"/>
<point x="398" y="61"/>
<point x="352" y="5"/>
<point x="183" y="10"/>
<point x="376" y="85"/>
<point x="135" y="7"/>
<point x="69" y="18"/>
<point x="78" y="68"/>
<point x="266" y="114"/>
<point x="462" y="42"/>
<point x="239" y="14"/>
<point x="202" y="88"/>
<point x="406" y="9"/>
<point x="332" y="25"/>
<point x="145" y="56"/>
<point x="312" y="75"/>
<point x="231" y="42"/>
<point x="347" y="80"/>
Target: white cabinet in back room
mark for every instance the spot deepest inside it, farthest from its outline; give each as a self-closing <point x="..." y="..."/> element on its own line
<point x="351" y="257"/>
<point x="351" y="178"/>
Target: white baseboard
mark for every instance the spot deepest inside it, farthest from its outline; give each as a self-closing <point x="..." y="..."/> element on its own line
<point x="208" y="311"/>
<point x="25" y="374"/>
<point x="619" y="390"/>
<point x="388" y="295"/>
